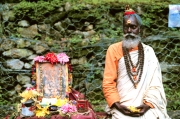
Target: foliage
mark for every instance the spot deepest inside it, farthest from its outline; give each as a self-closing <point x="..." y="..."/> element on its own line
<point x="98" y="105"/>
<point x="75" y="39"/>
<point x="2" y="100"/>
<point x="38" y="9"/>
<point x="147" y="20"/>
<point x="97" y="1"/>
<point x="172" y="98"/>
<point x="35" y="11"/>
<point x="93" y="40"/>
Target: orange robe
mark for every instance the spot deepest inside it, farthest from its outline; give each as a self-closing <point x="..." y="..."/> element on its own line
<point x="114" y="53"/>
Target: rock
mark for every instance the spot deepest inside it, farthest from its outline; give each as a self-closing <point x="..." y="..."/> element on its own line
<point x="27" y="66"/>
<point x="74" y="61"/>
<point x="67" y="21"/>
<point x="166" y="67"/>
<point x="20" y="43"/>
<point x="22" y="79"/>
<point x="8" y="15"/>
<point x="89" y="27"/>
<point x="27" y="85"/>
<point x="85" y="34"/>
<point x="44" y="28"/>
<point x="79" y="61"/>
<point x="14" y="64"/>
<point x="67" y="6"/>
<point x="29" y="32"/>
<point x="61" y="9"/>
<point x="18" y="88"/>
<point x="88" y="6"/>
<point x="82" y="60"/>
<point x="59" y="27"/>
<point x="139" y="10"/>
<point x="17" y="53"/>
<point x="12" y="93"/>
<point x="85" y="42"/>
<point x="23" y="23"/>
<point x="174" y="114"/>
<point x="7" y="44"/>
<point x="56" y="34"/>
<point x="31" y="57"/>
<point x="40" y="47"/>
<point x="55" y="17"/>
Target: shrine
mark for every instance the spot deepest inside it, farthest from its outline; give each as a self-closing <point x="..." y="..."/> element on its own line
<point x="51" y="95"/>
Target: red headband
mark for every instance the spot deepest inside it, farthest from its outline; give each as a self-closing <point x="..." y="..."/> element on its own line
<point x="128" y="11"/>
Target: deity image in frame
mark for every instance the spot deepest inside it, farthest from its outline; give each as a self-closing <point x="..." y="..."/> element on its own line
<point x="52" y="79"/>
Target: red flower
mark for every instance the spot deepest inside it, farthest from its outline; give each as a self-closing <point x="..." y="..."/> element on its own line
<point x="51" y="57"/>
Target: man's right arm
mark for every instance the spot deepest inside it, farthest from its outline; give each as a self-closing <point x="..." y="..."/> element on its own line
<point x="110" y="76"/>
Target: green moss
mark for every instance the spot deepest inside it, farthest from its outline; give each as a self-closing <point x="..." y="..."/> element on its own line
<point x="76" y="39"/>
<point x="35" y="10"/>
<point x="79" y="9"/>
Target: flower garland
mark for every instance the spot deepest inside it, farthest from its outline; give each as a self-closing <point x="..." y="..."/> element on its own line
<point x="68" y="109"/>
<point x="65" y="107"/>
<point x="29" y="93"/>
<point x="53" y="58"/>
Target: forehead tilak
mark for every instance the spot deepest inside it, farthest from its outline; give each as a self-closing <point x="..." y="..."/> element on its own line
<point x="130" y="20"/>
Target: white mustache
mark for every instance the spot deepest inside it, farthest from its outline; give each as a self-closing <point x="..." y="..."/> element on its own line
<point x="131" y="35"/>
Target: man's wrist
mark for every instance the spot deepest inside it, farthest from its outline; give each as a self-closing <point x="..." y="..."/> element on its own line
<point x="148" y="103"/>
<point x="147" y="106"/>
<point x="115" y="105"/>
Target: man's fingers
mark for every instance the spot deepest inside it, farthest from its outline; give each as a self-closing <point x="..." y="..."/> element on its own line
<point x="136" y="115"/>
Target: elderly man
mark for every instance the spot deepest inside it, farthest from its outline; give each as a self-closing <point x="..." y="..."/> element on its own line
<point x="132" y="83"/>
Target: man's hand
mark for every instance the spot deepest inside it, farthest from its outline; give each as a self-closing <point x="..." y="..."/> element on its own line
<point x="143" y="109"/>
<point x="123" y="109"/>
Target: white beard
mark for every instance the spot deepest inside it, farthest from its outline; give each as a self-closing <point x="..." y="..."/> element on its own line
<point x="131" y="41"/>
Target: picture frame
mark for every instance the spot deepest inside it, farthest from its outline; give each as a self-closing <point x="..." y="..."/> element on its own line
<point x="52" y="79"/>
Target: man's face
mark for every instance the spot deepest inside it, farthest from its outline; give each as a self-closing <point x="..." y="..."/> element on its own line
<point x="131" y="25"/>
<point x="131" y="30"/>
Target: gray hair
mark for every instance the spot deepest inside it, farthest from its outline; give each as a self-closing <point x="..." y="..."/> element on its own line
<point x="137" y="17"/>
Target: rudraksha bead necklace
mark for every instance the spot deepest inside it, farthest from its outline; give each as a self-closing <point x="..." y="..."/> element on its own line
<point x="134" y="71"/>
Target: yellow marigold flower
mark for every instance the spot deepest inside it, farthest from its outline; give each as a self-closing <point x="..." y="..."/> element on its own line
<point x="61" y="102"/>
<point x="41" y="111"/>
<point x="28" y="94"/>
<point x="133" y="109"/>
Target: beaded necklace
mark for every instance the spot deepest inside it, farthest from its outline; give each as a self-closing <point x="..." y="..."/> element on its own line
<point x="134" y="71"/>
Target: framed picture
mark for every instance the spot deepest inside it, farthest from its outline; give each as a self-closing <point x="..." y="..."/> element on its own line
<point x="52" y="79"/>
<point x="174" y="16"/>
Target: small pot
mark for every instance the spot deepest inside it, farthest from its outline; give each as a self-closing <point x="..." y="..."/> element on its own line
<point x="53" y="108"/>
<point x="28" y="108"/>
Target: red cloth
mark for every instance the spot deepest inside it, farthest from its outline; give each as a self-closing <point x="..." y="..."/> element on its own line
<point x="52" y="117"/>
<point x="91" y="115"/>
<point x="128" y="13"/>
